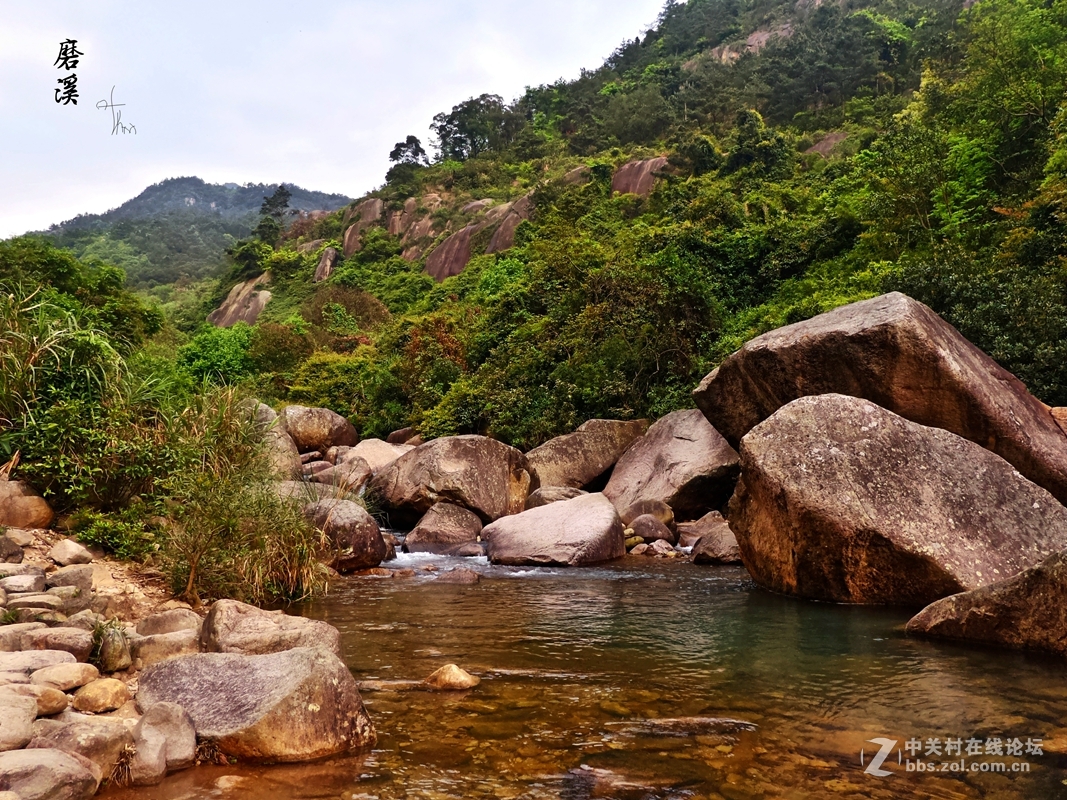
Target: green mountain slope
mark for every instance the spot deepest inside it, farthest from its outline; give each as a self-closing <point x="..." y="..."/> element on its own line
<point x="177" y="228"/>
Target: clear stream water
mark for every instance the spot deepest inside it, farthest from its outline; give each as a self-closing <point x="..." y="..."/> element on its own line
<point x="610" y="682"/>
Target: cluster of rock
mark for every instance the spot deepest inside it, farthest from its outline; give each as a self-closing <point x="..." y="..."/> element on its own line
<point x="251" y="684"/>
<point x="885" y="459"/>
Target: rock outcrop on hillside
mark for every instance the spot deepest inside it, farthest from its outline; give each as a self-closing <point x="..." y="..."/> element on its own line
<point x="366" y="214"/>
<point x="244" y="303"/>
<point x="896" y="352"/>
<point x="637" y="177"/>
<point x="682" y="461"/>
<point x="452" y="255"/>
<point x="844" y="501"/>
<point x="327" y="262"/>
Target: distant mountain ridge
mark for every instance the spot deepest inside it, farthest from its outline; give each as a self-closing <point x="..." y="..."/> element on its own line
<point x="178" y="229"/>
<point x="227" y="200"/>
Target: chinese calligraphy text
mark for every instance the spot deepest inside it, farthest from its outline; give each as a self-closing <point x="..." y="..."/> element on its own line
<point x="67" y="92"/>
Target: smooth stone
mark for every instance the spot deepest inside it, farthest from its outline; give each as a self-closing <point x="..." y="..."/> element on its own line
<point x="99" y="741"/>
<point x="32" y="661"/>
<point x="65" y="676"/>
<point x="77" y="642"/>
<point x="234" y="627"/>
<point x="104" y="694"/>
<point x="165" y="740"/>
<point x="11" y="635"/>
<point x="79" y="576"/>
<point x="44" y="601"/>
<point x="21" y="536"/>
<point x="17" y="714"/>
<point x="172" y="621"/>
<point x="49" y="700"/>
<point x="451" y="678"/>
<point x="69" y="552"/>
<point x="151" y="650"/>
<point x="23" y="583"/>
<point x="6" y="570"/>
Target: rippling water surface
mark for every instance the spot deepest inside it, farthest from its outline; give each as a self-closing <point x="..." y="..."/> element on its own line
<point x="612" y="682"/>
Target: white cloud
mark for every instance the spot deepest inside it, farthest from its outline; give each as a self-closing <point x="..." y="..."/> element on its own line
<point x="314" y="94"/>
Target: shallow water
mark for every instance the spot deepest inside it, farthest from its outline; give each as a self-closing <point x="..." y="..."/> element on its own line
<point x="583" y="670"/>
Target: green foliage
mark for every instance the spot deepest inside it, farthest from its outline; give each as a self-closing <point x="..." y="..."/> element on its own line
<point x="124" y="534"/>
<point x="220" y="355"/>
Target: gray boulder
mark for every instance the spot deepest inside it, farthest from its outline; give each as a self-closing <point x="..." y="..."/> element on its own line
<point x="68" y="551"/>
<point x="99" y="741"/>
<point x="17" y="713"/>
<point x="442" y="529"/>
<point x="350" y="475"/>
<point x="841" y="500"/>
<point x="233" y="627"/>
<point x="716" y="543"/>
<point x="47" y="775"/>
<point x="295" y="705"/>
<point x="34" y="660"/>
<point x="578" y="459"/>
<point x="165" y="741"/>
<point x="681" y="461"/>
<point x="585" y="530"/>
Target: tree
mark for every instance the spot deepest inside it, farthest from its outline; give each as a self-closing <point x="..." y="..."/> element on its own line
<point x="408" y="151"/>
<point x="474" y="126"/>
<point x="275" y="205"/>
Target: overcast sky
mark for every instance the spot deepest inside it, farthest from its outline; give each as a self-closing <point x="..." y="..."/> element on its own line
<point x="312" y="93"/>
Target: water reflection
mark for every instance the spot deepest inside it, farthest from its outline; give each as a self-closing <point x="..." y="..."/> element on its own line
<point x="573" y="661"/>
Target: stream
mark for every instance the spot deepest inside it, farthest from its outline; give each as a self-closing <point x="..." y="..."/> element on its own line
<point x="658" y="679"/>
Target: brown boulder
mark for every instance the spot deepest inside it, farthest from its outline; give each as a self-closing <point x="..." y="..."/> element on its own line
<point x="895" y="352"/>
<point x="656" y="508"/>
<point x="682" y="461"/>
<point x="235" y="627"/>
<point x="101" y="742"/>
<point x="296" y="705"/>
<point x="650" y="529"/>
<point x="480" y="474"/>
<point x="844" y="501"/>
<point x="351" y="475"/>
<point x="47" y="775"/>
<point x="326" y="264"/>
<point x="317" y="428"/>
<point x="585" y="530"/>
<point x="637" y="177"/>
<point x="451" y="256"/>
<point x="1027" y="612"/>
<point x="716" y="543"/>
<point x="355" y="539"/>
<point x="552" y="494"/>
<point x="244" y="303"/>
<point x="22" y="507"/>
<point x="578" y="459"/>
<point x="504" y="236"/>
<point x="401" y="436"/>
<point x="442" y="529"/>
<point x="376" y="453"/>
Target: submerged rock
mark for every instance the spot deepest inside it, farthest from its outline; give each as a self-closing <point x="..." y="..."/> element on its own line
<point x="451" y="678"/>
<point x="844" y="501"/>
<point x="895" y="352"/>
<point x="239" y="703"/>
<point x="1027" y="612"/>
<point x="585" y="530"/>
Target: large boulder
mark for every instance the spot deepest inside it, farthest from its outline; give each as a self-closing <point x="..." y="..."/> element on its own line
<point x="355" y="540"/>
<point x="716" y="543"/>
<point x="443" y="529"/>
<point x="47" y="775"/>
<point x="844" y="501"/>
<point x="376" y="453"/>
<point x="480" y="474"/>
<point x="295" y="705"/>
<point x="570" y="533"/>
<point x="317" y="428"/>
<point x="326" y="265"/>
<point x="17" y="713"/>
<point x="1027" y="612"/>
<point x="234" y="627"/>
<point x="100" y="741"/>
<point x="451" y="256"/>
<point x="682" y="461"/>
<point x="578" y="459"/>
<point x="349" y="476"/>
<point x="22" y="507"/>
<point x="897" y="353"/>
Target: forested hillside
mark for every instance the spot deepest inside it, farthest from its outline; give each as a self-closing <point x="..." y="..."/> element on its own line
<point x="818" y="153"/>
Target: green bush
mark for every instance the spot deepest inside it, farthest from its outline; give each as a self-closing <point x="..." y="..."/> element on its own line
<point x="220" y="355"/>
